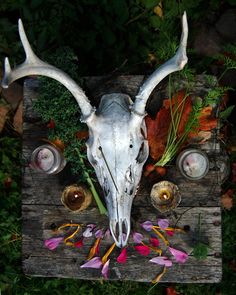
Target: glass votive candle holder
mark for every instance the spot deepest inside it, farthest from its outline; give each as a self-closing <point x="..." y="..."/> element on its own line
<point x="47" y="158"/>
<point x="193" y="164"/>
<point x="76" y="197"/>
<point x="165" y="196"/>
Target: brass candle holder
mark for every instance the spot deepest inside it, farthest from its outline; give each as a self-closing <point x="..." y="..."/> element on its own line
<point x="165" y="196"/>
<point x="76" y="198"/>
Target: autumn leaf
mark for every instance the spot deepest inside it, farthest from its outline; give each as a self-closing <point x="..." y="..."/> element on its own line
<point x="171" y="291"/>
<point x="227" y="199"/>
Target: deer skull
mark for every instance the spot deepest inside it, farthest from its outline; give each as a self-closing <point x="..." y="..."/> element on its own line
<point x="117" y="147"/>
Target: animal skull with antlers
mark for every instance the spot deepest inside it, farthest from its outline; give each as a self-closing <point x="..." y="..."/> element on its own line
<point x="117" y="147"/>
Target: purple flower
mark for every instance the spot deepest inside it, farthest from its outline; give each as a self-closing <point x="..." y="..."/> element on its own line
<point x="162" y="260"/>
<point x="180" y="256"/>
<point x="52" y="243"/>
<point x="93" y="263"/>
<point x="99" y="233"/>
<point x="137" y="238"/>
<point x="89" y="230"/>
<point x="105" y="269"/>
<point x="163" y="223"/>
<point x="147" y="225"/>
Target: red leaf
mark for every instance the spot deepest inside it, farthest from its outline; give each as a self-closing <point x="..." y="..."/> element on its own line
<point x="51" y="124"/>
<point x="122" y="257"/>
<point x="171" y="291"/>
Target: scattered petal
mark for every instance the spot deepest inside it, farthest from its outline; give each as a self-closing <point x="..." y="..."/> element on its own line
<point x="95" y="249"/>
<point x="170" y="233"/>
<point x="53" y="243"/>
<point x="163" y="223"/>
<point x="107" y="234"/>
<point x="99" y="233"/>
<point x="180" y="256"/>
<point x="154" y="242"/>
<point x="89" y="230"/>
<point x="93" y="263"/>
<point x="79" y="244"/>
<point x="137" y="238"/>
<point x="162" y="260"/>
<point x="157" y="279"/>
<point x="147" y="225"/>
<point x="123" y="256"/>
<point x="105" y="269"/>
<point x="142" y="249"/>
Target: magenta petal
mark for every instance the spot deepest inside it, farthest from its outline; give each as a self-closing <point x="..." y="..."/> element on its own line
<point x="162" y="260"/>
<point x="142" y="249"/>
<point x="123" y="256"/>
<point x="137" y="238"/>
<point x="154" y="242"/>
<point x="79" y="244"/>
<point x="147" y="225"/>
<point x="99" y="234"/>
<point x="105" y="269"/>
<point x="180" y="256"/>
<point x="163" y="223"/>
<point x="170" y="233"/>
<point x="95" y="262"/>
<point x="53" y="243"/>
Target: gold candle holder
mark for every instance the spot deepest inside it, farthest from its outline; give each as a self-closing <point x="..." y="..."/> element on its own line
<point x="165" y="196"/>
<point x="76" y="198"/>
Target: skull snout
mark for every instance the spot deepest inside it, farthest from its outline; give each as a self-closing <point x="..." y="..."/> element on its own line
<point x="120" y="230"/>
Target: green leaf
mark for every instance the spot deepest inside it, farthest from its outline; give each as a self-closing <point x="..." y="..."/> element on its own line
<point x="200" y="251"/>
<point x="150" y="3"/>
<point x="224" y="115"/>
<point x="155" y="21"/>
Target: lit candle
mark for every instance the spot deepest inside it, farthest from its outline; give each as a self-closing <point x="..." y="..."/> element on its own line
<point x="193" y="164"/>
<point x="165" y="196"/>
<point x="76" y="197"/>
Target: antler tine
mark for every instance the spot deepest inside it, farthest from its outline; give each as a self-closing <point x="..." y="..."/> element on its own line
<point x="174" y="64"/>
<point x="34" y="66"/>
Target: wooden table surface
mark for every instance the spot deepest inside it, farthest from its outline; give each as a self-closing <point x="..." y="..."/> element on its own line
<point x="42" y="211"/>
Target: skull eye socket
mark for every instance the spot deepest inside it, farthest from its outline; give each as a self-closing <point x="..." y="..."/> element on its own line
<point x="142" y="154"/>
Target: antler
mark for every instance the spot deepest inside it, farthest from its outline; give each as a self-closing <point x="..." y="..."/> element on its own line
<point x="34" y="66"/>
<point x="174" y="64"/>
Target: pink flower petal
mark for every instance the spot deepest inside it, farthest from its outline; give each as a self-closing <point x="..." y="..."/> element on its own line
<point x="89" y="230"/>
<point x="79" y="244"/>
<point x="142" y="249"/>
<point x="137" y="238"/>
<point x="107" y="234"/>
<point x="180" y="256"/>
<point x="163" y="223"/>
<point x="154" y="242"/>
<point x="170" y="233"/>
<point x="95" y="262"/>
<point x="147" y="225"/>
<point x="105" y="269"/>
<point x="123" y="256"/>
<point x="99" y="234"/>
<point x="162" y="260"/>
<point x="53" y="243"/>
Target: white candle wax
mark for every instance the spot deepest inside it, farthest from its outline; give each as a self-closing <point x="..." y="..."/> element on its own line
<point x="45" y="159"/>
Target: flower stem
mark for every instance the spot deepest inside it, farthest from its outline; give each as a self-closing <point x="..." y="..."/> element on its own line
<point x="100" y="205"/>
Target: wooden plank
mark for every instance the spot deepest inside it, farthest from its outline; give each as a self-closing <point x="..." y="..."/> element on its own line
<point x="42" y="209"/>
<point x="65" y="261"/>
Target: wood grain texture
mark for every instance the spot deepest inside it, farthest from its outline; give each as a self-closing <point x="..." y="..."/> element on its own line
<point x="42" y="209"/>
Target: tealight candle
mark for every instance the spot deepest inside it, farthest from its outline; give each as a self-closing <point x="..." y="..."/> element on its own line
<point x="76" y="197"/>
<point x="47" y="158"/>
<point x="165" y="196"/>
<point x="193" y="164"/>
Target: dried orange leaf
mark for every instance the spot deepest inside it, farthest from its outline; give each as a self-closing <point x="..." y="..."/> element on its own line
<point x="227" y="199"/>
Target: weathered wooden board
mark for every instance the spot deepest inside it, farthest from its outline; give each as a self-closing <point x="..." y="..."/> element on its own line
<point x="42" y="210"/>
